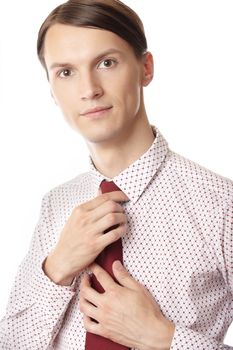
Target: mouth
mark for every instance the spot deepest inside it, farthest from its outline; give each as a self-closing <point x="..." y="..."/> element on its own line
<point x="95" y="112"/>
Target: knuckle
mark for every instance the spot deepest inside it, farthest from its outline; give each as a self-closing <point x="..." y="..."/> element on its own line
<point x="111" y="219"/>
<point x="106" y="196"/>
<point x="82" y="217"/>
<point x="106" y="310"/>
<point x="116" y="234"/>
<point x="86" y="324"/>
<point x="99" y="275"/>
<point x="79" y="210"/>
<point x="82" y="293"/>
<point x="123" y="219"/>
<point x="122" y="229"/>
<point x="113" y="293"/>
<point x="112" y="206"/>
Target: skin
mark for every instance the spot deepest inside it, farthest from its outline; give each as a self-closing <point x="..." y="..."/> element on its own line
<point x="90" y="68"/>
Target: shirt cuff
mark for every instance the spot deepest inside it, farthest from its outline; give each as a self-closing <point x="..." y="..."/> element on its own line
<point x="45" y="291"/>
<point x="185" y="338"/>
<point x="43" y="287"/>
<point x="37" y="289"/>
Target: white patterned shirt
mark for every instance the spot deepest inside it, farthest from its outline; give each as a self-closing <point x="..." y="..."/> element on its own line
<point x="179" y="244"/>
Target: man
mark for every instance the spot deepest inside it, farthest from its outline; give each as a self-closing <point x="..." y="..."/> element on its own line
<point x="174" y="218"/>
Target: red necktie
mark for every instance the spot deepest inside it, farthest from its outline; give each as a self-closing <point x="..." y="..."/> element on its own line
<point x="105" y="259"/>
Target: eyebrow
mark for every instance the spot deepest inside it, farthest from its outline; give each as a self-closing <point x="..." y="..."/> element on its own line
<point x="102" y="55"/>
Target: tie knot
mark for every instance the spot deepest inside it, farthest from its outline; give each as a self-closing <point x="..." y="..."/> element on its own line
<point x="108" y="186"/>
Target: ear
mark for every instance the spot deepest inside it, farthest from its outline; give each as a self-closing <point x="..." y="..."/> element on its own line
<point x="148" y="68"/>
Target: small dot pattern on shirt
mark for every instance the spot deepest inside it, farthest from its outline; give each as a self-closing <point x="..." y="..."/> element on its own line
<point x="178" y="244"/>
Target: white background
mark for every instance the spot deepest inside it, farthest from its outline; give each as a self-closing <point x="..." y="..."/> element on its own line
<point x="190" y="100"/>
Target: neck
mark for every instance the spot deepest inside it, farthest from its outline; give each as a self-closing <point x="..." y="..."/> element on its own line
<point x="112" y="158"/>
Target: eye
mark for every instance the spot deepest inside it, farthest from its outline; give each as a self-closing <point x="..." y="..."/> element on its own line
<point x="108" y="63"/>
<point x="65" y="73"/>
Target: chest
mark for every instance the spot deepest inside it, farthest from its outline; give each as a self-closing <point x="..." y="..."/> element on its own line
<point x="166" y="249"/>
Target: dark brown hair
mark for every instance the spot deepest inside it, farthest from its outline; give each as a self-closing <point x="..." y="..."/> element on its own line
<point x="111" y="15"/>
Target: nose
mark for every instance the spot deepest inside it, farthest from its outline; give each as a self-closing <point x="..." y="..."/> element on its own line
<point x="90" y="87"/>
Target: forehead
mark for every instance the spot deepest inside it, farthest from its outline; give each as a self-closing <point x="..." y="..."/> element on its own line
<point x="67" y="43"/>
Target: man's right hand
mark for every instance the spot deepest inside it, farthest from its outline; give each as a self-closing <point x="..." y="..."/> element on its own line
<point x="82" y="238"/>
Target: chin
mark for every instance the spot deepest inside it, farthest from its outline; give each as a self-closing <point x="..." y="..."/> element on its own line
<point x="99" y="137"/>
<point x="97" y="140"/>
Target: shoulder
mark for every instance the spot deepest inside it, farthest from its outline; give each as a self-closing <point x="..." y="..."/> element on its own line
<point x="200" y="181"/>
<point x="69" y="191"/>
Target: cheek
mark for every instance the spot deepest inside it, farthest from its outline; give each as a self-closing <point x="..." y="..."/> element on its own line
<point x="132" y="89"/>
<point x="132" y="96"/>
<point x="127" y="87"/>
<point x="64" y="98"/>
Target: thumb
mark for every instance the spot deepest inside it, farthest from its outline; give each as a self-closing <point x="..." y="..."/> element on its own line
<point x="122" y="275"/>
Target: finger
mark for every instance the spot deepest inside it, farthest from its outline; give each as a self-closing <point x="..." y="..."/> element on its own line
<point x="117" y="196"/>
<point x="110" y="220"/>
<point x="107" y="208"/>
<point x="102" y="276"/>
<point x="85" y="281"/>
<point x="91" y="326"/>
<point x="83" y="284"/>
<point x="123" y="277"/>
<point x="88" y="309"/>
<point x="113" y="235"/>
<point x="87" y="293"/>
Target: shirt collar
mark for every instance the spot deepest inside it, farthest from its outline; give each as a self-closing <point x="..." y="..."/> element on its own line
<point x="134" y="179"/>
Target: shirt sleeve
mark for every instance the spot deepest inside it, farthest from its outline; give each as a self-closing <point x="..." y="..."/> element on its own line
<point x="36" y="306"/>
<point x="185" y="338"/>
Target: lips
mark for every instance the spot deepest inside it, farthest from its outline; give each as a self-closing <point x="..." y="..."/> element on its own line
<point x="91" y="111"/>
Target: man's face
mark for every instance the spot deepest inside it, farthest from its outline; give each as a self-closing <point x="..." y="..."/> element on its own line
<point x="96" y="80"/>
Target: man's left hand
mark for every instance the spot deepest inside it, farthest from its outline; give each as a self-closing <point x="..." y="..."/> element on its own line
<point x="126" y="312"/>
